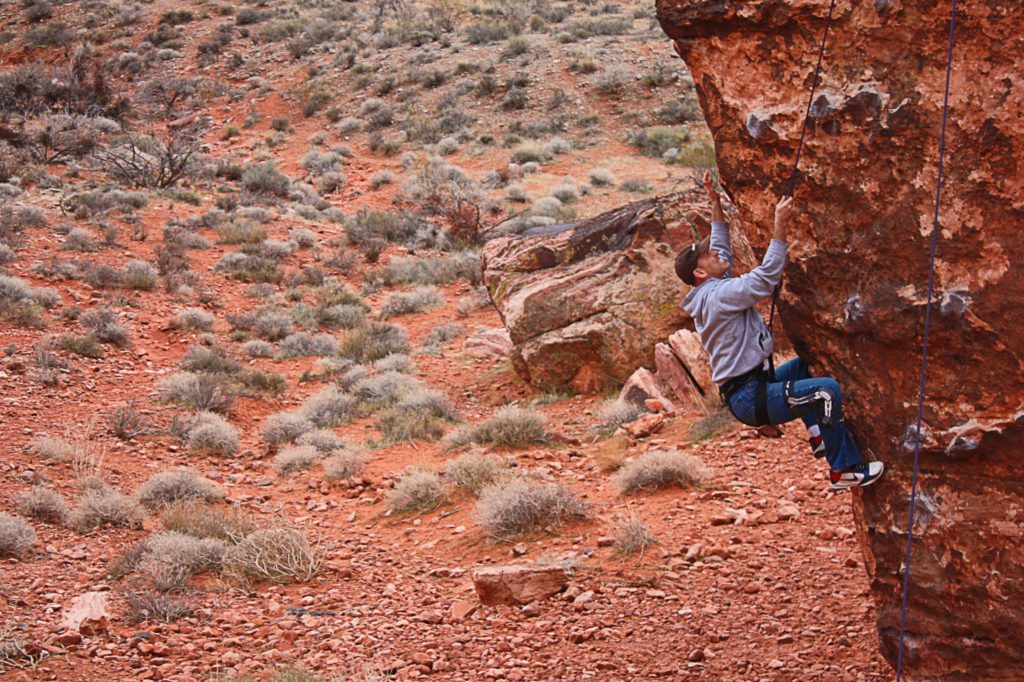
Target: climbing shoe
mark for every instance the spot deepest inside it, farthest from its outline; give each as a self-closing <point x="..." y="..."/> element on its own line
<point x="859" y="475"/>
<point x="817" y="446"/>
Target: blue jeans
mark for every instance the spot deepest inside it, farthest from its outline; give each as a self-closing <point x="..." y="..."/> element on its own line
<point x="840" y="449"/>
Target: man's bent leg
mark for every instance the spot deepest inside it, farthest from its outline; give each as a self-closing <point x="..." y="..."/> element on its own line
<point x="794" y="370"/>
<point x="822" y="399"/>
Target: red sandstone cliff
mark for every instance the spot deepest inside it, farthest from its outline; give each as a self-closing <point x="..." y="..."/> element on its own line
<point x="858" y="271"/>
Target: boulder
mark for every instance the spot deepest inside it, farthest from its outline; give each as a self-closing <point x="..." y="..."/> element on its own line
<point x="489" y="343"/>
<point x="642" y="386"/>
<point x="688" y="349"/>
<point x="584" y="303"/>
<point x="87" y="614"/>
<point x="858" y="271"/>
<point x="518" y="584"/>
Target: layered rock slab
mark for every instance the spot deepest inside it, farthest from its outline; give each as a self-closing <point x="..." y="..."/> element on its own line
<point x="857" y="277"/>
<point x="586" y="302"/>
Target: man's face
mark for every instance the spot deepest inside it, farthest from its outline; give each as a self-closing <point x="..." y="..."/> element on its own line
<point x="710" y="265"/>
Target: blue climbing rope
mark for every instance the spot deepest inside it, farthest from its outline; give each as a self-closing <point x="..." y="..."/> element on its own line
<point x="924" y="350"/>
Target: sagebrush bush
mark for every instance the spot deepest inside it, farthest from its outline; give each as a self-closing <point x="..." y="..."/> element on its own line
<point x="265" y="179"/>
<point x="373" y="342"/>
<point x="431" y="269"/>
<point x="172" y="558"/>
<point x="329" y="407"/>
<point x="16" y="535"/>
<point x="203" y="392"/>
<point x="148" y="605"/>
<point x="126" y="421"/>
<point x="415" y="301"/>
<point x="210" y="360"/>
<point x="241" y="231"/>
<point x="509" y="508"/>
<point x="257" y="348"/>
<point x="54" y="448"/>
<point x="42" y="503"/>
<point x="281" y="555"/>
<point x="212" y="435"/>
<point x="511" y="426"/>
<point x="229" y="523"/>
<point x="193" y="319"/>
<point x="323" y="440"/>
<point x="102" y="323"/>
<point x="473" y="471"/>
<point x="601" y="177"/>
<point x="139" y="275"/>
<point x="295" y="459"/>
<point x="182" y="484"/>
<point x="104" y="506"/>
<point x="616" y="412"/>
<point x="285" y="427"/>
<point x="632" y="536"/>
<point x="661" y="468"/>
<point x="418" y="490"/>
<point x="343" y="464"/>
<point x="301" y="345"/>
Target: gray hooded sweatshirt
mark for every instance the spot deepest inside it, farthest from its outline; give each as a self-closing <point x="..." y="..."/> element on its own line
<point x="732" y="330"/>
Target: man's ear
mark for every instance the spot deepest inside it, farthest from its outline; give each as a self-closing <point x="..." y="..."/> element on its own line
<point x="700" y="273"/>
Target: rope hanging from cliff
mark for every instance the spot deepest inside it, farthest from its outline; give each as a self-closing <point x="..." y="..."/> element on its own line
<point x="799" y="150"/>
<point x="924" y="350"/>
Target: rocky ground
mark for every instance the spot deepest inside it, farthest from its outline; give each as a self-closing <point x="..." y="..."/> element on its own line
<point x="754" y="574"/>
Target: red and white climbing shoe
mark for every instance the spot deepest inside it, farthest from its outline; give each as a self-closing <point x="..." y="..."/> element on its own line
<point x="817" y="446"/>
<point x="859" y="475"/>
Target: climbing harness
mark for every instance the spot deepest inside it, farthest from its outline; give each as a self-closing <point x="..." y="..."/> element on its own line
<point x="924" y="349"/>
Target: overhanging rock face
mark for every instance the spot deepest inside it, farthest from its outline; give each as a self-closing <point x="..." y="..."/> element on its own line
<point x="855" y="285"/>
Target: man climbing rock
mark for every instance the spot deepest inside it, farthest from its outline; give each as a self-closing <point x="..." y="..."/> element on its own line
<point x="740" y="347"/>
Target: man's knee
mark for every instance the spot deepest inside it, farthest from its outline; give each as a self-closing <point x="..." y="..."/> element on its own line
<point x="823" y="402"/>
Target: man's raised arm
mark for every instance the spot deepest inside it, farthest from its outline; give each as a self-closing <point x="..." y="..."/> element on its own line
<point x="719" y="228"/>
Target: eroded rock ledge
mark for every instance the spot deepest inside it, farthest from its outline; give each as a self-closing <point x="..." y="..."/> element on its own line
<point x="858" y="272"/>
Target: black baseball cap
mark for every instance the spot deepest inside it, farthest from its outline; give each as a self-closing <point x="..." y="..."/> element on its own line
<point x="686" y="260"/>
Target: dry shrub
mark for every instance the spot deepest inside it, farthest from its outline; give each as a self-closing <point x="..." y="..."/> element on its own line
<point x="41" y="503"/>
<point x="229" y="523"/>
<point x="293" y="460"/>
<point x="105" y="506"/>
<point x="151" y="605"/>
<point x="212" y="435"/>
<point x="415" y="301"/>
<point x="53" y="448"/>
<point x="285" y="427"/>
<point x="126" y="421"/>
<point x="632" y="536"/>
<point x="324" y="440"/>
<point x="280" y="555"/>
<point x="330" y="407"/>
<point x="661" y="468"/>
<point x="474" y="471"/>
<point x="16" y="535"/>
<point x="177" y="485"/>
<point x="615" y="413"/>
<point x="418" y="490"/>
<point x="172" y="558"/>
<point x="343" y="464"/>
<point x="509" y="508"/>
<point x="714" y="424"/>
<point x="373" y="342"/>
<point x="511" y="426"/>
<point x="204" y="392"/>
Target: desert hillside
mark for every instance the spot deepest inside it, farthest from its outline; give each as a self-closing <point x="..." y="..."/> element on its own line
<point x="258" y="414"/>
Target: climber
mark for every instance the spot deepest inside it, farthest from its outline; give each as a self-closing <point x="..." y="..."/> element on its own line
<point x="740" y="347"/>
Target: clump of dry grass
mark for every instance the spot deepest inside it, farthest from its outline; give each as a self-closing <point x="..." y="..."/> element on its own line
<point x="285" y="427"/>
<point x="172" y="558"/>
<point x="418" y="490"/>
<point x="202" y="391"/>
<point x="714" y="424"/>
<point x="511" y="426"/>
<point x="16" y="535"/>
<point x="102" y="505"/>
<point x="229" y="523"/>
<point x="661" y="468"/>
<point x="152" y="605"/>
<point x="343" y="465"/>
<point x="293" y="460"/>
<point x="41" y="503"/>
<point x="212" y="435"/>
<point x="415" y="301"/>
<point x="508" y="508"/>
<point x="280" y="555"/>
<point x="615" y="413"/>
<point x="474" y="471"/>
<point x="632" y="536"/>
<point x="182" y="484"/>
<point x="53" y="448"/>
<point x="193" y="319"/>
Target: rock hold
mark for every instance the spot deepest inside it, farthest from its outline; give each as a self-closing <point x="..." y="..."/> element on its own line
<point x="517" y="584"/>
